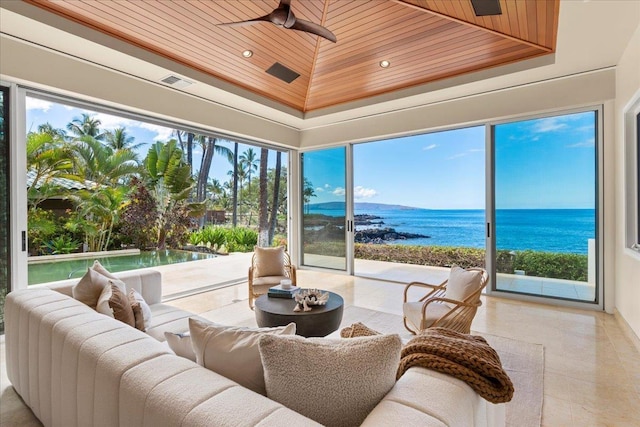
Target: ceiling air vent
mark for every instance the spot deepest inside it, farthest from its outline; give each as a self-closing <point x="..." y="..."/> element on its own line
<point x="486" y="7"/>
<point x="283" y="73"/>
<point x="176" y="81"/>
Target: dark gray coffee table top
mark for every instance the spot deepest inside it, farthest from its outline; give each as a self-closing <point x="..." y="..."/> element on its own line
<point x="319" y="322"/>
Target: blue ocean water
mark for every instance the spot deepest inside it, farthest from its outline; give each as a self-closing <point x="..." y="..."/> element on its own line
<point x="550" y="230"/>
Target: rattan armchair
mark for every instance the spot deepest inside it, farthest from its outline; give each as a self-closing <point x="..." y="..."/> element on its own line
<point x="268" y="267"/>
<point x="438" y="308"/>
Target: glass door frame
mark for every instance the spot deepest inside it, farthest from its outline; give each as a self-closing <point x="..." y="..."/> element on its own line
<point x="297" y="242"/>
<point x="490" y="235"/>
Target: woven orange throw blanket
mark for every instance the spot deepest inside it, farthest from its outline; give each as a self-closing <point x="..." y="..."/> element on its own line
<point x="466" y="357"/>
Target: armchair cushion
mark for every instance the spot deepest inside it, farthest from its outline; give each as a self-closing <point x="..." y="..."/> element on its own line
<point x="413" y="312"/>
<point x="269" y="262"/>
<point x="462" y="283"/>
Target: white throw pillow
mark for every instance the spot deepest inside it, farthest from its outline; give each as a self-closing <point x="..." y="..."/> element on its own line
<point x="180" y="344"/>
<point x="232" y="351"/>
<point x="335" y="382"/>
<point x="462" y="283"/>
<point x="144" y="307"/>
<point x="269" y="261"/>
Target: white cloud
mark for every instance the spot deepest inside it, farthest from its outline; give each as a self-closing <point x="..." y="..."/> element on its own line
<point x="162" y="133"/>
<point x="37" y="104"/>
<point x="110" y="122"/>
<point x="359" y="192"/>
<point x="339" y="191"/>
<point x="466" y="153"/>
<point x="588" y="143"/>
<point x="327" y="186"/>
<point x="549" y="125"/>
<point x="320" y="189"/>
<point x="430" y="147"/>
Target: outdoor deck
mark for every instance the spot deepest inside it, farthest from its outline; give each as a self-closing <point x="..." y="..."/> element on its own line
<point x="196" y="276"/>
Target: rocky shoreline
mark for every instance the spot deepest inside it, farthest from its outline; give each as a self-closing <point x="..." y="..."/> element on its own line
<point x="374" y="233"/>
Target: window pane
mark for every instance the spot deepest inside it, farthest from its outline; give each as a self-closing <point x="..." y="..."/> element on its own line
<point x="545" y="197"/>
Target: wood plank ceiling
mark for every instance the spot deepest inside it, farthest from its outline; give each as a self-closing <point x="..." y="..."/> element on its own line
<point x="424" y="41"/>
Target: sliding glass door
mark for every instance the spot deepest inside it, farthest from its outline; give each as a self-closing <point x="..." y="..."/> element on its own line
<point x="5" y="226"/>
<point x="545" y="195"/>
<point x="324" y="208"/>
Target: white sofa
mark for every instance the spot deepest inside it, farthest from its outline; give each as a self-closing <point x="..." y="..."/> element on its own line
<point x="75" y="367"/>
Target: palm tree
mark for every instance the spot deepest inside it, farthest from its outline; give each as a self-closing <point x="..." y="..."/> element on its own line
<point x="101" y="164"/>
<point x="171" y="183"/>
<point x="86" y="125"/>
<point x="98" y="211"/>
<point x="50" y="130"/>
<point x="249" y="162"/>
<point x="48" y="157"/>
<point x="263" y="206"/>
<point x="273" y="220"/>
<point x="118" y="139"/>
<point x="234" y="220"/>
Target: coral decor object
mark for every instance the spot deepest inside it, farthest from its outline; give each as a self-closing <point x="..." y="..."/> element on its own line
<point x="308" y="297"/>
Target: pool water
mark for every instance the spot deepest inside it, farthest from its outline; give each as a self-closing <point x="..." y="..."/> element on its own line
<point x="76" y="268"/>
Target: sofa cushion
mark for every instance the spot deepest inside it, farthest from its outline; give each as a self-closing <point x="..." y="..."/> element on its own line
<point x="462" y="283"/>
<point x="114" y="303"/>
<point x="144" y="307"/>
<point x="167" y="318"/>
<point x="90" y="286"/>
<point x="180" y="344"/>
<point x="269" y="261"/>
<point x="334" y="382"/>
<point x="232" y="351"/>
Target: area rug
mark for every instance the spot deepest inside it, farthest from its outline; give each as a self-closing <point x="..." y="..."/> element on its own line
<point x="523" y="362"/>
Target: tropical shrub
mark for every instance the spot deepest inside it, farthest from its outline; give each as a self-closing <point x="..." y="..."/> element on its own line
<point x="241" y="239"/>
<point x="196" y="238"/>
<point x="62" y="245"/>
<point x="138" y="220"/>
<point x="539" y="264"/>
<point x="42" y="227"/>
<point x="553" y="265"/>
<point x="214" y="237"/>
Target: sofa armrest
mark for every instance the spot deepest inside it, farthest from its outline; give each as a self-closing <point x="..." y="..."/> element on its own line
<point x="429" y="398"/>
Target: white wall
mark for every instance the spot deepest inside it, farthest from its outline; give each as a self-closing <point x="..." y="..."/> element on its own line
<point x="627" y="267"/>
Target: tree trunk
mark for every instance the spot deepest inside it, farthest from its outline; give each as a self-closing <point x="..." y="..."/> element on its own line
<point x="203" y="175"/>
<point x="263" y="208"/>
<point x="190" y="151"/>
<point x="276" y="193"/>
<point x="234" y="219"/>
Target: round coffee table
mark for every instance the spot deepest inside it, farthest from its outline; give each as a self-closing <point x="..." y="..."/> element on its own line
<point x="319" y="322"/>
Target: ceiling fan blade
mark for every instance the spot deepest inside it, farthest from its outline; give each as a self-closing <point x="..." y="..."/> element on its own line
<point x="284" y="3"/>
<point x="266" y="18"/>
<point x="313" y="28"/>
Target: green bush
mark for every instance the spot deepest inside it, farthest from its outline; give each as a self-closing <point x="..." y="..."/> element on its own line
<point x="214" y="237"/>
<point x="539" y="264"/>
<point x="62" y="245"/>
<point x="241" y="239"/>
<point x="552" y="265"/>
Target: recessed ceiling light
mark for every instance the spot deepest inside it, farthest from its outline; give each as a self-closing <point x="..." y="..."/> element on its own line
<point x="385" y="64"/>
<point x="247" y="53"/>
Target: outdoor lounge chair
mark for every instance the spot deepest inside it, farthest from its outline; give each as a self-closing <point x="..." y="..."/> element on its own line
<point x="268" y="267"/>
<point x="452" y="304"/>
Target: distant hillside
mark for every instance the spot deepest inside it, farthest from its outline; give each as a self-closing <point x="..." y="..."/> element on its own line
<point x="361" y="206"/>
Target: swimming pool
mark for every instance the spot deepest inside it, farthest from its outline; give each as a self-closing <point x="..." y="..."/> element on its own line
<point x="75" y="268"/>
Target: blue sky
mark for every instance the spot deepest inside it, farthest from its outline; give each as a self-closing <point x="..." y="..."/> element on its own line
<point x="41" y="111"/>
<point x="542" y="163"/>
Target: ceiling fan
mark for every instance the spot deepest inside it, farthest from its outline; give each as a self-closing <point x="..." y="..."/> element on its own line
<point x="283" y="16"/>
